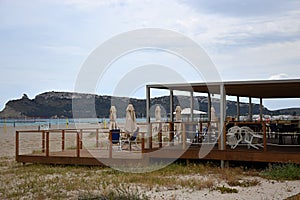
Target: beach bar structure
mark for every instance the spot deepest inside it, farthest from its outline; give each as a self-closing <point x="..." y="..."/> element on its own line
<point x="209" y="139"/>
<point x="268" y="89"/>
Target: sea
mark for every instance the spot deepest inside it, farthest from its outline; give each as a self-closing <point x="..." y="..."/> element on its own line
<point x="58" y="121"/>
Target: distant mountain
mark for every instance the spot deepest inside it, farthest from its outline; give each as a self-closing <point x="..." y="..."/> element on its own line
<point x="66" y="104"/>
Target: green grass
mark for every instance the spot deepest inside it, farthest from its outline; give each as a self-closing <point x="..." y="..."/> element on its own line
<point x="282" y="172"/>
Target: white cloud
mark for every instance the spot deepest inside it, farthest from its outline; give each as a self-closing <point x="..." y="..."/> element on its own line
<point x="66" y="50"/>
<point x="279" y="76"/>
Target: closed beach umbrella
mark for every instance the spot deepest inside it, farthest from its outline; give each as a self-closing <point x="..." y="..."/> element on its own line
<point x="178" y="114"/>
<point x="157" y="114"/>
<point x="113" y="118"/>
<point x="130" y="123"/>
<point x="213" y="114"/>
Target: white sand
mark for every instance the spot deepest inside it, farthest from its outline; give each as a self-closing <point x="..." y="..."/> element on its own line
<point x="268" y="189"/>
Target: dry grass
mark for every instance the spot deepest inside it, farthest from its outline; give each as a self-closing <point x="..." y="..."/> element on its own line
<point x="34" y="181"/>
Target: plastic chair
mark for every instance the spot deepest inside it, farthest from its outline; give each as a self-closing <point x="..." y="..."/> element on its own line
<point x="115" y="139"/>
<point x="234" y="136"/>
<point x="250" y="137"/>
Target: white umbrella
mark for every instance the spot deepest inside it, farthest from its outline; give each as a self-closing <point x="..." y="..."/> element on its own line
<point x="130" y="123"/>
<point x="113" y="118"/>
<point x="157" y="114"/>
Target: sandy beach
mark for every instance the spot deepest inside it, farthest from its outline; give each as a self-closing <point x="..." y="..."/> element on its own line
<point x="267" y="189"/>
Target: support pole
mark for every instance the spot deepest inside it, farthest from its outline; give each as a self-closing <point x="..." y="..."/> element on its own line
<point x="147" y="141"/>
<point x="261" y="109"/>
<point x="209" y="107"/>
<point x="171" y="106"/>
<point x="192" y="105"/>
<point x="238" y="111"/>
<point x="222" y="114"/>
<point x="250" y="109"/>
<point x="222" y="120"/>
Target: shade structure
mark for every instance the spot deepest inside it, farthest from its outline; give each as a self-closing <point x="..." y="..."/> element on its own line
<point x="157" y="113"/>
<point x="130" y="123"/>
<point x="113" y="118"/>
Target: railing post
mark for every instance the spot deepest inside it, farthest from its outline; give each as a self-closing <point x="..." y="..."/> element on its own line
<point x="97" y="137"/>
<point x="47" y="144"/>
<point x="183" y="135"/>
<point x="110" y="144"/>
<point x="143" y="142"/>
<point x="171" y="134"/>
<point x="43" y="141"/>
<point x="17" y="145"/>
<point x="265" y="135"/>
<point x="160" y="135"/>
<point x="150" y="137"/>
<point x="77" y="144"/>
<point x="80" y="141"/>
<point x="63" y="140"/>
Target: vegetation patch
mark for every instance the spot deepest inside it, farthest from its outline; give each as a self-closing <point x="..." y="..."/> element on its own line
<point x="224" y="190"/>
<point x="282" y="172"/>
<point x="244" y="183"/>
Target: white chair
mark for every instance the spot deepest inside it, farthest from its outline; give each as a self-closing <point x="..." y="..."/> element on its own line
<point x="234" y="136"/>
<point x="251" y="138"/>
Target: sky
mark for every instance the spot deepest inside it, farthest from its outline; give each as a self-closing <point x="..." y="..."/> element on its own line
<point x="43" y="44"/>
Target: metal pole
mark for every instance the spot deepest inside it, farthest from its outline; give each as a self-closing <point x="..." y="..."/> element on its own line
<point x="147" y="145"/>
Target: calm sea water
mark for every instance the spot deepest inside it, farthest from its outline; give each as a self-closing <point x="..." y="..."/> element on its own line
<point x="36" y="122"/>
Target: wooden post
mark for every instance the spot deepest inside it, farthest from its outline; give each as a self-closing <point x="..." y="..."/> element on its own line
<point x="97" y="137"/>
<point x="80" y="141"/>
<point x="224" y="136"/>
<point x="160" y="135"/>
<point x="110" y="144"/>
<point x="143" y="142"/>
<point x="17" y="145"/>
<point x="183" y="135"/>
<point x="77" y="144"/>
<point x="63" y="140"/>
<point x="47" y="144"/>
<point x="150" y="136"/>
<point x="265" y="136"/>
<point x="43" y="141"/>
<point x="171" y="133"/>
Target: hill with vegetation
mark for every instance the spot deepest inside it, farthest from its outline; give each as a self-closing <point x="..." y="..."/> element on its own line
<point x="67" y="104"/>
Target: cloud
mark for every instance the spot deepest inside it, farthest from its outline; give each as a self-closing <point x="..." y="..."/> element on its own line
<point x="65" y="50"/>
<point x="279" y="76"/>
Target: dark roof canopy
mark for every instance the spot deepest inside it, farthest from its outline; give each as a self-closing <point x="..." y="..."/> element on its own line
<point x="257" y="89"/>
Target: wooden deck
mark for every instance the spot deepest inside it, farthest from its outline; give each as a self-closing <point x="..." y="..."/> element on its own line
<point x="107" y="156"/>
